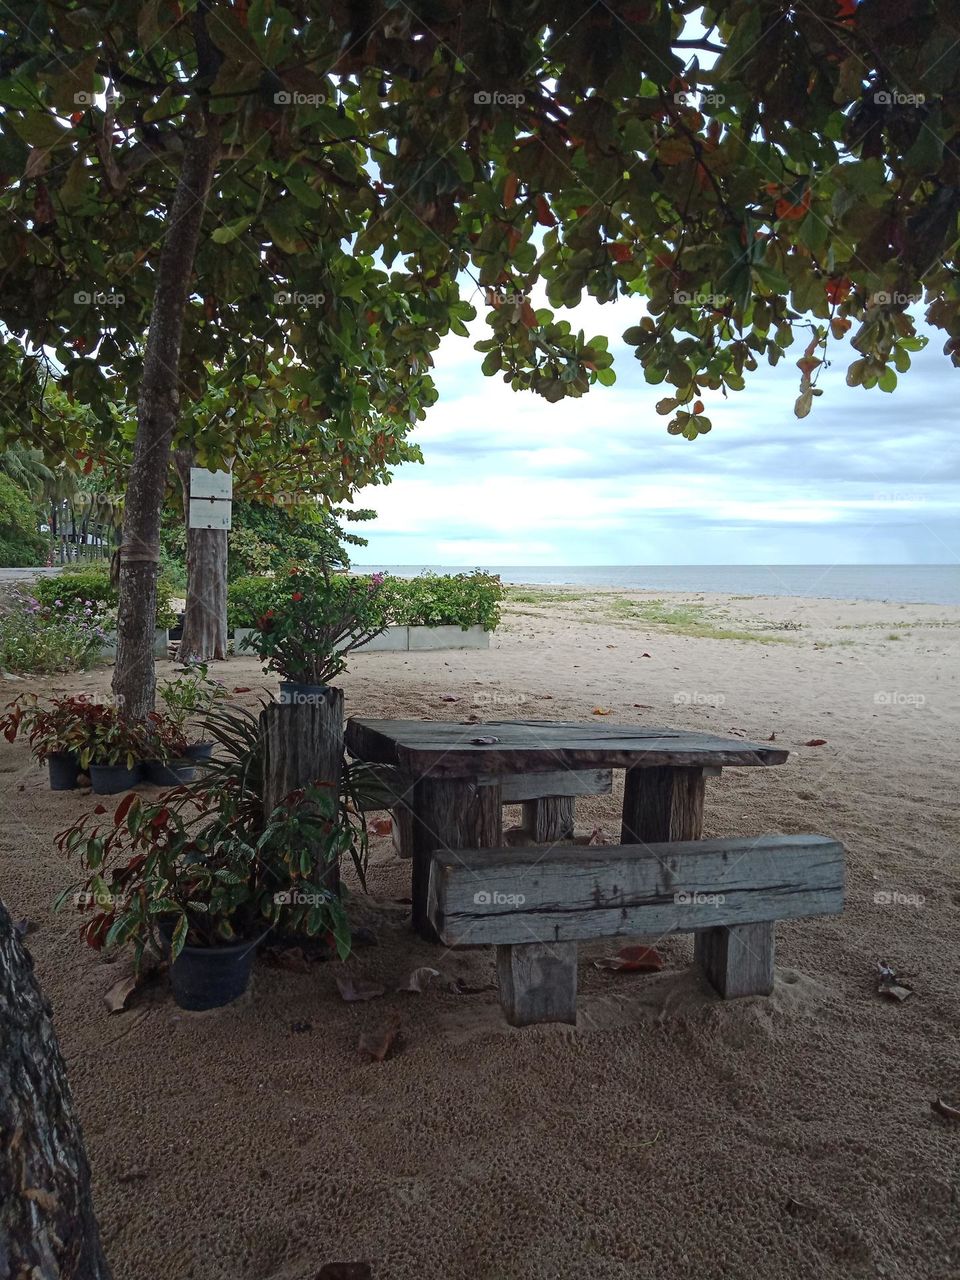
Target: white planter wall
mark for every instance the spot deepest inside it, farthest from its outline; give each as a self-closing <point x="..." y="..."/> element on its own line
<point x="109" y="647"/>
<point x="406" y="639"/>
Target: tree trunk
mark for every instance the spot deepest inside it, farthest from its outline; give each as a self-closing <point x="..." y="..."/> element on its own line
<point x="205" y="617"/>
<point x="134" y="677"/>
<point x="48" y="1230"/>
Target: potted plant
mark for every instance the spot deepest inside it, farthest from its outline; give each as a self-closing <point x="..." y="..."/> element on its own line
<point x="193" y="881"/>
<point x="57" y="730"/>
<point x="115" y="751"/>
<point x="313" y="625"/>
<point x="191" y="696"/>
<point x="169" y="764"/>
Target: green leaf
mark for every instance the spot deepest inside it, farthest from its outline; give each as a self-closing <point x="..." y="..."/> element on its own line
<point x="229" y="233"/>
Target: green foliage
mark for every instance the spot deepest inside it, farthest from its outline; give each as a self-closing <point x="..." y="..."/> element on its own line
<point x="31" y="643"/>
<point x="314" y="621"/>
<point x="191" y="696"/>
<point x="248" y="599"/>
<point x="435" y="600"/>
<point x="76" y="586"/>
<point x="21" y="543"/>
<point x="61" y="723"/>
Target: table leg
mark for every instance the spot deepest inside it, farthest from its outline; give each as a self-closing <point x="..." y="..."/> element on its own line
<point x="449" y="813"/>
<point x="662" y="803"/>
<point x="550" y="818"/>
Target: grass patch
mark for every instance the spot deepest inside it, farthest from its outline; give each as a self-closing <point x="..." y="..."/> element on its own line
<point x="684" y="620"/>
<point x="526" y="595"/>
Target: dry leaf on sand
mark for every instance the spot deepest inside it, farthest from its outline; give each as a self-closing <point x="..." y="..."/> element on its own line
<point x="632" y="960"/>
<point x="377" y="1044"/>
<point x="602" y="711"/>
<point x="355" y="988"/>
<point x="419" y="979"/>
<point x="380" y="826"/>
<point x="816" y="742"/>
<point x="449" y="697"/>
<point x="118" y="995"/>
<point x="944" y="1109"/>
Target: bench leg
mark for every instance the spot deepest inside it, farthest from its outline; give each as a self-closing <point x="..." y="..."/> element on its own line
<point x="550" y="818"/>
<point x="402" y="831"/>
<point x="449" y="813"/>
<point x="538" y="982"/>
<point x="738" y="960"/>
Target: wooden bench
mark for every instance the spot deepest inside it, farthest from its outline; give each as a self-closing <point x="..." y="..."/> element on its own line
<point x="535" y="905"/>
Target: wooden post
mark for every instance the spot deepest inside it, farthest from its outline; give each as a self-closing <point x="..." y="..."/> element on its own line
<point x="449" y="813"/>
<point x="402" y="817"/>
<point x="302" y="745"/>
<point x="662" y="803"/>
<point x="538" y="982"/>
<point x="737" y="960"/>
<point x="549" y="819"/>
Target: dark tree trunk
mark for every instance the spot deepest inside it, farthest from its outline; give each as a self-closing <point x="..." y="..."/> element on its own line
<point x="134" y="677"/>
<point x="48" y="1230"/>
<point x="205" y="617"/>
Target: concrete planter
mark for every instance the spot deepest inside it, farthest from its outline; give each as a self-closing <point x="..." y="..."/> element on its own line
<point x="393" y="640"/>
<point x="422" y="638"/>
<point x="109" y="647"/>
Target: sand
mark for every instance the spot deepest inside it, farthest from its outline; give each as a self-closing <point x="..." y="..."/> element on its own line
<point x="669" y="1134"/>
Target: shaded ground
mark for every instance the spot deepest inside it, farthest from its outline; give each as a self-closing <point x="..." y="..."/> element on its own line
<point x="669" y="1134"/>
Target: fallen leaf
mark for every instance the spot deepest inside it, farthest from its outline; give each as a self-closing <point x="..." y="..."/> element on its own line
<point x="345" y="1271"/>
<point x="643" y="706"/>
<point x="377" y="1044"/>
<point x="647" y="655"/>
<point x="894" y="992"/>
<point x="419" y="979"/>
<point x="816" y="742"/>
<point x="460" y="987"/>
<point x="632" y="960"/>
<point x="944" y="1109"/>
<point x="602" y="711"/>
<point x="611" y="646"/>
<point x="381" y="826"/>
<point x="772" y="738"/>
<point x="449" y="697"/>
<point x="119" y="993"/>
<point x="354" y="988"/>
<point x="241" y="688"/>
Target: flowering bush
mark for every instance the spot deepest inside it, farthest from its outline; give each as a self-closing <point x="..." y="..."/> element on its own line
<point x="319" y="618"/>
<point x="87" y="589"/>
<point x="35" y="642"/>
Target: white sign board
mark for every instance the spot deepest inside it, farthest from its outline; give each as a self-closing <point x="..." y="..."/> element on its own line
<point x="211" y="499"/>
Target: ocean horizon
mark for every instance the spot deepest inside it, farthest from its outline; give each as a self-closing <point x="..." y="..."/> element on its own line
<point x="898" y="583"/>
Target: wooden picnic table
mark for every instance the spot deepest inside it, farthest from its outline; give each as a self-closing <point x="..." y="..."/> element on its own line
<point x="455" y="776"/>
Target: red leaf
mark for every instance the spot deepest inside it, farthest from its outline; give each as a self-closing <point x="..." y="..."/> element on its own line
<point x="620" y="252"/>
<point x="123" y="808"/>
<point x="816" y="742"/>
<point x="544" y="216"/>
<point x="100" y="808"/>
<point x="633" y="960"/>
<point x="509" y="190"/>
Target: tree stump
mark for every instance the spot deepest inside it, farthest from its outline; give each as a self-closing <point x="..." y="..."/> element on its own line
<point x="303" y="746"/>
<point x="48" y="1229"/>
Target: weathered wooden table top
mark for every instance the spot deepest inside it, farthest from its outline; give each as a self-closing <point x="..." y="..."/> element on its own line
<point x="446" y="749"/>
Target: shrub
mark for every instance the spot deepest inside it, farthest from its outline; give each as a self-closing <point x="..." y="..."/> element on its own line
<point x="248" y="599"/>
<point x="21" y="545"/>
<point x="437" y="600"/>
<point x="79" y="585"/>
<point x="32" y="644"/>
<point x="315" y="620"/>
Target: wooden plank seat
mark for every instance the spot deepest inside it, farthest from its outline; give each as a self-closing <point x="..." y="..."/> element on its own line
<point x="534" y="905"/>
<point x="548" y="799"/>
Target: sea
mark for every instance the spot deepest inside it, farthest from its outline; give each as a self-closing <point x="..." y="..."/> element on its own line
<point x="903" y="583"/>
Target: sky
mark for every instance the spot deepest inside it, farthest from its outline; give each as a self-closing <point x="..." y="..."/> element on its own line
<point x="508" y="479"/>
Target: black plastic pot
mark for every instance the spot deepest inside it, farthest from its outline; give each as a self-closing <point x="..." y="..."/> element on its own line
<point x="108" y="779"/>
<point x="292" y="691"/>
<point x="170" y="775"/>
<point x="176" y="633"/>
<point x="210" y="977"/>
<point x="199" y="751"/>
<point x="64" y="767"/>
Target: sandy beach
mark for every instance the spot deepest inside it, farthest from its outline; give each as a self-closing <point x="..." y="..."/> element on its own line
<point x="670" y="1134"/>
